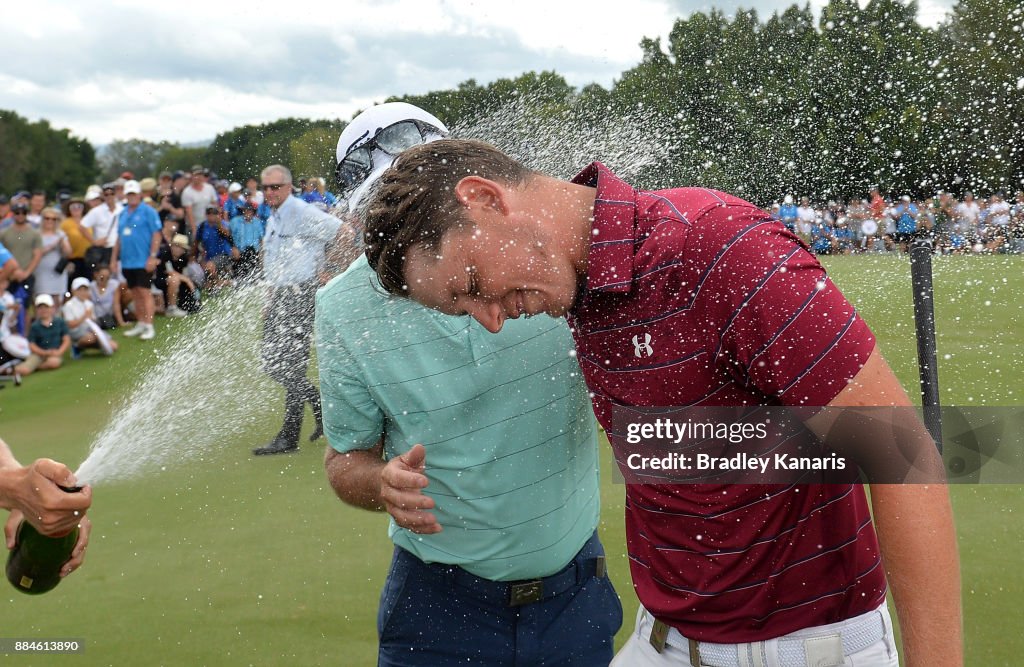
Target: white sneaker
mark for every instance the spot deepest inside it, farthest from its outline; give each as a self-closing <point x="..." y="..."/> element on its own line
<point x="174" y="311"/>
<point x="148" y="332"/>
<point x="136" y="330"/>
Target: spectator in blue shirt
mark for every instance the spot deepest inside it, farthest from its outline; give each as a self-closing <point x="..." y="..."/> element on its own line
<point x="8" y="265"/>
<point x="788" y="213"/>
<point x="235" y="202"/>
<point x="213" y="242"/>
<point x="905" y="215"/>
<point x="822" y="238"/>
<point x="247" y="235"/>
<point x="314" y="191"/>
<point x="138" y="248"/>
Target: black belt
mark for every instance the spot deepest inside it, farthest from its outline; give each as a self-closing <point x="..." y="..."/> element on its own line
<point x="514" y="593"/>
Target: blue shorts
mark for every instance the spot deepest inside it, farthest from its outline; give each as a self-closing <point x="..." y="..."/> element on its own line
<point x="437" y="615"/>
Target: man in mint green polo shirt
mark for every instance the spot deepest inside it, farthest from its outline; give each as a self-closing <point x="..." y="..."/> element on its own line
<point x="482" y="448"/>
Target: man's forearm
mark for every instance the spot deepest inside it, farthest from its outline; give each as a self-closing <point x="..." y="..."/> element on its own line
<point x="355" y="476"/>
<point x="918" y="542"/>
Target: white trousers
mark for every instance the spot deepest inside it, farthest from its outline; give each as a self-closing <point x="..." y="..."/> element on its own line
<point x="820" y="646"/>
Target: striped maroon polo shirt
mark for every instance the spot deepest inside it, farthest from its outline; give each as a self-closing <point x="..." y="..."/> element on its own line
<point x="695" y="297"/>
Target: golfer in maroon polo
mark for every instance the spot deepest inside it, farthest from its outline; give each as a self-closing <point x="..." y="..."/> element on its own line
<point x="678" y="298"/>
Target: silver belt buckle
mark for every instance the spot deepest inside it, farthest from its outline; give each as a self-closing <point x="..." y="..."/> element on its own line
<point x="525" y="592"/>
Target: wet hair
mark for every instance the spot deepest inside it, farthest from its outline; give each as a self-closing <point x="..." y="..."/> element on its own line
<point x="413" y="203"/>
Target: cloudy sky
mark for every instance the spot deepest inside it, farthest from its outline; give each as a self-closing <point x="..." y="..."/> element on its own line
<point x="187" y="70"/>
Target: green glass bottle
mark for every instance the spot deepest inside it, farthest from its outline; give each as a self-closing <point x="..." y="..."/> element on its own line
<point x="33" y="565"/>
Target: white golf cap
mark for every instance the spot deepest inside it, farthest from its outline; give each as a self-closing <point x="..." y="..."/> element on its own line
<point x="80" y="281"/>
<point x="132" y="187"/>
<point x="365" y="127"/>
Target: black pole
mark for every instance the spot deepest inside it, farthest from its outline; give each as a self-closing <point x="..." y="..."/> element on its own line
<point x="924" y="320"/>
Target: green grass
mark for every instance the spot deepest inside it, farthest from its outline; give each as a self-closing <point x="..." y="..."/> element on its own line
<point x="232" y="560"/>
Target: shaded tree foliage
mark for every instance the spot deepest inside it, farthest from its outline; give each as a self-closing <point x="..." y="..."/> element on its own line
<point x="824" y="106"/>
<point x="142" y="158"/>
<point x="246" y="150"/>
<point x="36" y="156"/>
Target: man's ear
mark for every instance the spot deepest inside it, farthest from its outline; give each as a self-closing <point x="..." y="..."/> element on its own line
<point x="478" y="192"/>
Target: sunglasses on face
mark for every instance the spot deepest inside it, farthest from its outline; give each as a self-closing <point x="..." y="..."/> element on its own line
<point x="274" y="187"/>
<point x="356" y="166"/>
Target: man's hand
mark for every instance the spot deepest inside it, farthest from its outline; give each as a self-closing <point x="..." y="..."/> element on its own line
<point x="151" y="264"/>
<point x="401" y="488"/>
<point x="51" y="510"/>
<point x="77" y="554"/>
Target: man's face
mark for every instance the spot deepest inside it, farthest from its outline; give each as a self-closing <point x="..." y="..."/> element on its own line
<point x="38" y="202"/>
<point x="20" y="213"/>
<point x="198" y="179"/>
<point x="275" y="188"/>
<point x="492" y="271"/>
<point x="212" y="217"/>
<point x="133" y="199"/>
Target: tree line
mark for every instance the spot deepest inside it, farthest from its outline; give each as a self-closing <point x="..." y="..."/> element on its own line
<point x="826" y="106"/>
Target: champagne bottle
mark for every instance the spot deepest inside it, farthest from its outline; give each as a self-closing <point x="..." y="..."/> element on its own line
<point x="33" y="565"/>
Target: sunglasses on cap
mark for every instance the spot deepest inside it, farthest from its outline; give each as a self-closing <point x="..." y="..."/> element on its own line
<point x="356" y="166"/>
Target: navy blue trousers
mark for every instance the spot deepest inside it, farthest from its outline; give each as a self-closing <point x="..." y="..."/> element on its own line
<point x="434" y="615"/>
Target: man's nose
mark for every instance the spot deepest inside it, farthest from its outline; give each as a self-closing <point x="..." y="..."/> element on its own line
<point x="489" y="314"/>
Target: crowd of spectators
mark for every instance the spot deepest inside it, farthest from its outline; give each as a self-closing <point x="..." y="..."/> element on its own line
<point x="61" y="284"/>
<point x="60" y="270"/>
<point x="878" y="224"/>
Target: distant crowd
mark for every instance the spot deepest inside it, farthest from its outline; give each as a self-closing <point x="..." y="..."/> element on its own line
<point x="62" y="288"/>
<point x="878" y="224"/>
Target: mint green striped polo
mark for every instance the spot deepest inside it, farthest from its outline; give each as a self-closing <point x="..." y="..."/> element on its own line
<point x="506" y="421"/>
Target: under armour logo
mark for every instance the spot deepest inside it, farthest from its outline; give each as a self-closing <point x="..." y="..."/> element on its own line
<point x="644" y="347"/>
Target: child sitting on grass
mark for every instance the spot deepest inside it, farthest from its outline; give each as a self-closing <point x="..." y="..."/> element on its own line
<point x="48" y="339"/>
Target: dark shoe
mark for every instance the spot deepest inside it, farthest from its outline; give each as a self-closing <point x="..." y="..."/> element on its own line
<point x="276" y="446"/>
